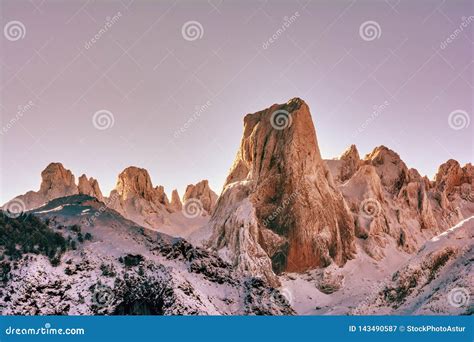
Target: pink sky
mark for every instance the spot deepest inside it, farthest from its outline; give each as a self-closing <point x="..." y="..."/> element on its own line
<point x="151" y="79"/>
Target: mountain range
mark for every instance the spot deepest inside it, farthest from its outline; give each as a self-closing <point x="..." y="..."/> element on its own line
<point x="290" y="233"/>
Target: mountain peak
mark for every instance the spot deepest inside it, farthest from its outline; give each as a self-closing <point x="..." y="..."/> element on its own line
<point x="134" y="181"/>
<point x="55" y="177"/>
<point x="89" y="186"/>
<point x="176" y="201"/>
<point x="351" y="153"/>
<point x="279" y="195"/>
<point x="202" y="192"/>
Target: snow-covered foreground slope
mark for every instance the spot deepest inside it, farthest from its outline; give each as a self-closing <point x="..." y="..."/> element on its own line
<point x="122" y="268"/>
<point x="438" y="279"/>
<point x="118" y="267"/>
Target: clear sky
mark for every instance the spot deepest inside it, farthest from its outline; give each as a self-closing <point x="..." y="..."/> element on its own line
<point x="150" y="64"/>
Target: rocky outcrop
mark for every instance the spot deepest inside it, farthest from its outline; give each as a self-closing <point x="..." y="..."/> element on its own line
<point x="390" y="201"/>
<point x="346" y="165"/>
<point x="454" y="180"/>
<point x="90" y="187"/>
<point x="56" y="181"/>
<point x="135" y="182"/>
<point x="280" y="210"/>
<point x="392" y="171"/>
<point x="136" y="199"/>
<point x="176" y="204"/>
<point x="202" y="192"/>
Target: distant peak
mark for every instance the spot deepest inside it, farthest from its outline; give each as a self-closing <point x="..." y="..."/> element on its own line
<point x="380" y="152"/>
<point x="133" y="170"/>
<point x="54" y="168"/>
<point x="350" y="153"/>
<point x="133" y="181"/>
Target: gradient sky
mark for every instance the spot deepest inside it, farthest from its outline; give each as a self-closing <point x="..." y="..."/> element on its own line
<point x="151" y="79"/>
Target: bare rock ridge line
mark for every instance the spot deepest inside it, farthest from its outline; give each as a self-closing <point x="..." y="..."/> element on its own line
<point x="391" y="202"/>
<point x="285" y="209"/>
<point x="133" y="196"/>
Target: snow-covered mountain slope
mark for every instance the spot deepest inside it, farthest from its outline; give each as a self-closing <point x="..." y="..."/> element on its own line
<point x="114" y="266"/>
<point x="337" y="290"/>
<point x="438" y="279"/>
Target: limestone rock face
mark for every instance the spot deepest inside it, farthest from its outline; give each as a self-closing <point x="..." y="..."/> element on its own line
<point x="391" y="202"/>
<point x="56" y="181"/>
<point x="280" y="210"/>
<point x="135" y="182"/>
<point x="135" y="198"/>
<point x="202" y="192"/>
<point x="392" y="171"/>
<point x="451" y="177"/>
<point x="453" y="189"/>
<point x="364" y="195"/>
<point x="176" y="204"/>
<point x="90" y="187"/>
<point x="346" y="165"/>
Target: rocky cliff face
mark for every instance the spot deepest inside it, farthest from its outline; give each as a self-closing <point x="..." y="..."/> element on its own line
<point x="389" y="201"/>
<point x="280" y="210"/>
<point x="90" y="187"/>
<point x="176" y="204"/>
<point x="56" y="181"/>
<point x="136" y="199"/>
<point x="346" y="165"/>
<point x="203" y="193"/>
<point x="454" y="181"/>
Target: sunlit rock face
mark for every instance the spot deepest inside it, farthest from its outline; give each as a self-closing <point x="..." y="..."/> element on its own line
<point x="202" y="192"/>
<point x="56" y="181"/>
<point x="136" y="199"/>
<point x="280" y="210"/>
